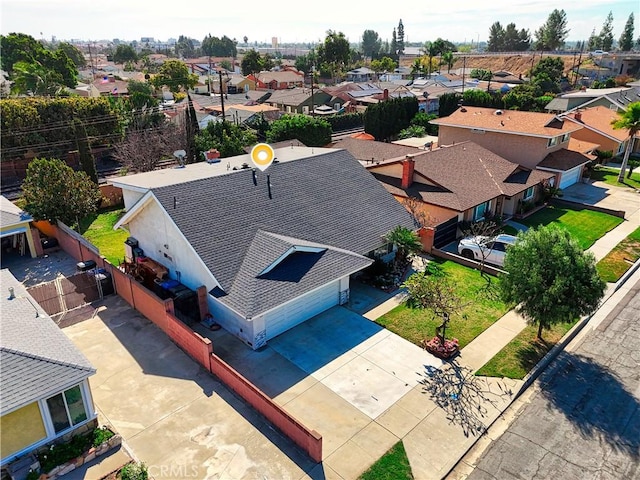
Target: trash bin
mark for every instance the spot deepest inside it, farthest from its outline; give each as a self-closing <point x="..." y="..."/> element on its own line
<point x="106" y="283"/>
<point x="85" y="265"/>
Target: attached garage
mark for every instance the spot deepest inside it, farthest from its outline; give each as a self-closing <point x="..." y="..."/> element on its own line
<point x="570" y="177"/>
<point x="567" y="165"/>
<point x="290" y="314"/>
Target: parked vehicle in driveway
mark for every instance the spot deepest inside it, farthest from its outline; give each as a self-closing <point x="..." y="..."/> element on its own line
<point x="492" y="249"/>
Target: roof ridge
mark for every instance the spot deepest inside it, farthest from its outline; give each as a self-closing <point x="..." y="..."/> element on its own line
<point x="486" y="168"/>
<point x="47" y="359"/>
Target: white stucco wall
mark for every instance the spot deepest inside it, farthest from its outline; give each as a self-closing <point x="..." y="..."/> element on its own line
<point x="130" y="197"/>
<point x="162" y="241"/>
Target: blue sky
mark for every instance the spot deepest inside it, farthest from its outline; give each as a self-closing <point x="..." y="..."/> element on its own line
<point x="299" y="21"/>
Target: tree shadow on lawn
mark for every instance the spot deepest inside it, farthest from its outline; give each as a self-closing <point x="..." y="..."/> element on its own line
<point x="594" y="399"/>
<point x="529" y="356"/>
<point x="468" y="401"/>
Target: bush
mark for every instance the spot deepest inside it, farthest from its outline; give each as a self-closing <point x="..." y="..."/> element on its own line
<point x="134" y="471"/>
<point x="346" y="121"/>
<point x="311" y="131"/>
<point x="62" y="453"/>
<point x="101" y="435"/>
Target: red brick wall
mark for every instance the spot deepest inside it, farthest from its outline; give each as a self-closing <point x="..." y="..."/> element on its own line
<point x="309" y="441"/>
<point x="111" y="196"/>
<point x="199" y="348"/>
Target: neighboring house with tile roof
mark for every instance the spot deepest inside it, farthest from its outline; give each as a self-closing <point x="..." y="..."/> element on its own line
<point x="45" y="391"/>
<point x="274" y="80"/>
<point x="597" y="128"/>
<point x="16" y="229"/>
<point x="465" y="181"/>
<point x="298" y="100"/>
<point x="273" y="248"/>
<point x="525" y="138"/>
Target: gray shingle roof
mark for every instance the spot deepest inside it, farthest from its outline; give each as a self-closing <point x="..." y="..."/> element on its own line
<point x="564" y="159"/>
<point x="465" y="175"/>
<point x="10" y="214"/>
<point x="37" y="358"/>
<point x="328" y="199"/>
<point x="367" y="150"/>
<point x="253" y="293"/>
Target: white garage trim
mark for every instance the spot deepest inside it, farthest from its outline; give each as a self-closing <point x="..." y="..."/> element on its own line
<point x="570" y="177"/>
<point x="13" y="231"/>
<point x="293" y="313"/>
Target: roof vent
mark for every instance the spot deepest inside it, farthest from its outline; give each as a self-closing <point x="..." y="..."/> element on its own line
<point x="498" y="112"/>
<point x="244" y="166"/>
<point x="12" y="294"/>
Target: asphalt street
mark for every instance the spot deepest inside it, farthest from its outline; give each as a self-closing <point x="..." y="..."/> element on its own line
<point x="583" y="422"/>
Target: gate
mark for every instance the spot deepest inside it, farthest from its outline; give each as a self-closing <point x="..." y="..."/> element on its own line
<point x="445" y="233"/>
<point x="68" y="293"/>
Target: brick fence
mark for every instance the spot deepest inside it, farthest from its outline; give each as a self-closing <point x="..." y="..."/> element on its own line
<point x="161" y="313"/>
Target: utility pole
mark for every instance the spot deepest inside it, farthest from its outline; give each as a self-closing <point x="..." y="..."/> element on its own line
<point x="221" y="95"/>
<point x="312" y="105"/>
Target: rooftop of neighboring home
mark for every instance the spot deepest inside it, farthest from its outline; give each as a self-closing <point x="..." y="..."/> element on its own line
<point x="514" y="122"/>
<point x="369" y="151"/>
<point x="280" y="76"/>
<point x="10" y="213"/>
<point x="38" y="360"/>
<point x="565" y="159"/>
<point x="462" y="176"/>
<point x="292" y="96"/>
<point x="581" y="146"/>
<point x="598" y="119"/>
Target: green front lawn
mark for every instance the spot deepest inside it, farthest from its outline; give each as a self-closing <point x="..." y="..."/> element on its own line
<point x="521" y="354"/>
<point x="98" y="229"/>
<point x="585" y="225"/>
<point x="620" y="259"/>
<point x="610" y="177"/>
<point x="393" y="465"/>
<point x="483" y="308"/>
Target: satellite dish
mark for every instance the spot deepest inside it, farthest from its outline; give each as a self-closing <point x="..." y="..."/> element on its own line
<point x="180" y="154"/>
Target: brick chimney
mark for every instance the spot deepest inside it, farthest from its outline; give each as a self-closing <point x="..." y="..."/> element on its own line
<point x="578" y="116"/>
<point x="408" y="164"/>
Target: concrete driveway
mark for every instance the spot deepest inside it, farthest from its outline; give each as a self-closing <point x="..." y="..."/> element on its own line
<point x="172" y="414"/>
<point x="344" y="376"/>
<point x="606" y="196"/>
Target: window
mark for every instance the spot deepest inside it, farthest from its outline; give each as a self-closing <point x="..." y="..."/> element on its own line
<point x="67" y="409"/>
<point x="480" y="211"/>
<point x="305" y="109"/>
<point x="528" y="193"/>
<point x="553" y="142"/>
<point x="565" y="138"/>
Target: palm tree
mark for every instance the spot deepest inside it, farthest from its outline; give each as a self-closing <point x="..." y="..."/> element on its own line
<point x="406" y="241"/>
<point x="33" y="78"/>
<point x="448" y="60"/>
<point x="630" y="121"/>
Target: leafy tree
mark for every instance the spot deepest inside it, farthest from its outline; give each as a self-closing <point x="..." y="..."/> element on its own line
<point x="334" y="52"/>
<point x="594" y="41"/>
<point x="553" y="33"/>
<point x="417" y="68"/>
<point x="18" y="47"/>
<point x="385" y="64"/>
<point x="370" y="44"/>
<point x="73" y="53"/>
<point x="481" y="74"/>
<point x="124" y="53"/>
<point x="141" y="95"/>
<point x="229" y="139"/>
<point x="394" y="44"/>
<point x="219" y="47"/>
<point x="516" y="41"/>
<point x="306" y="63"/>
<point x="386" y="119"/>
<point x="448" y="104"/>
<point x="626" y="39"/>
<point x="311" y="131"/>
<point x="423" y="120"/>
<point x="630" y="121"/>
<point x="33" y="78"/>
<point x="400" y="39"/>
<point x="547" y="74"/>
<point x="412" y="131"/>
<point x="407" y="243"/>
<point x="478" y="98"/>
<point x="175" y="75"/>
<point x="550" y="277"/>
<point x="245" y="39"/>
<point x="251" y="62"/>
<point x="606" y="34"/>
<point x="142" y="149"/>
<point x="185" y="47"/>
<point x="54" y="191"/>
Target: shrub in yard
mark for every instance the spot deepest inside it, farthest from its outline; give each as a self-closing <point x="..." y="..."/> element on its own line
<point x="101" y="435"/>
<point x="134" y="471"/>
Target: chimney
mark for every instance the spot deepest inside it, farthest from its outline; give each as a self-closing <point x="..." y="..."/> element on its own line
<point x="408" y="164"/>
<point x="385" y="94"/>
<point x="578" y="116"/>
<point x="112" y="79"/>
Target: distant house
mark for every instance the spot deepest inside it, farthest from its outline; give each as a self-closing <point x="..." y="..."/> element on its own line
<point x="465" y="181"/>
<point x="362" y="74"/>
<point x="613" y="98"/>
<point x="45" y="390"/>
<point x="273" y="248"/>
<point x="298" y="100"/>
<point x="278" y="80"/>
<point x="525" y="138"/>
<point x="16" y="230"/>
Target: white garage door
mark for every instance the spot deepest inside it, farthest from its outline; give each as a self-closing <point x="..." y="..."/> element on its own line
<point x="301" y="309"/>
<point x="570" y="177"/>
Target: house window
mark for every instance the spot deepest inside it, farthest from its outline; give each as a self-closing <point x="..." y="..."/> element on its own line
<point x="480" y="211"/>
<point x="565" y="138"/>
<point x="477" y="130"/>
<point x="288" y="108"/>
<point x="553" y="142"/>
<point x="67" y="409"/>
<point x="305" y="109"/>
<point x="528" y="193"/>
